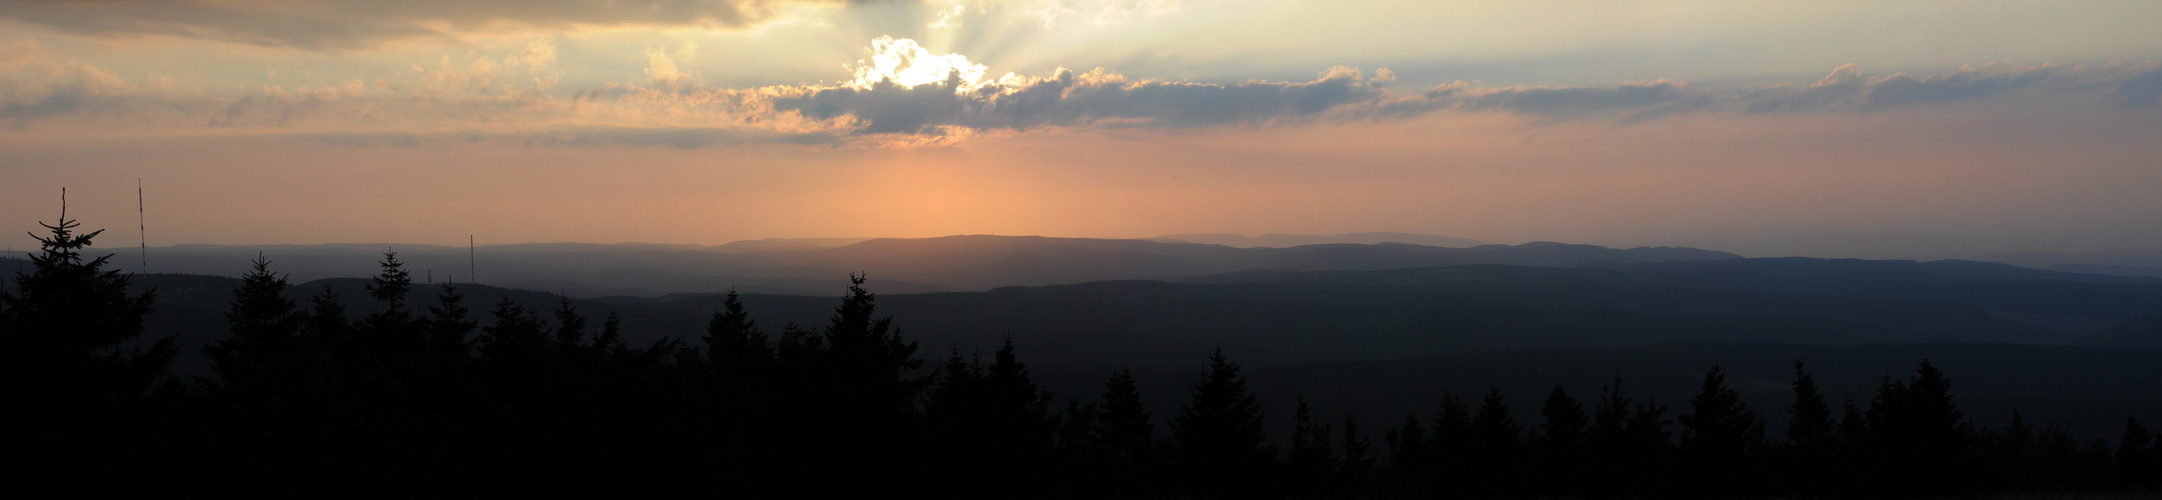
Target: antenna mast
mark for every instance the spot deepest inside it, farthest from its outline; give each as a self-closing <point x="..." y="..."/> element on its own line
<point x="142" y="229"/>
<point x="471" y="258"/>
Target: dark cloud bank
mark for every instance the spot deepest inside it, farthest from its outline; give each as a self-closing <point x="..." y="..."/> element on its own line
<point x="1103" y="99"/>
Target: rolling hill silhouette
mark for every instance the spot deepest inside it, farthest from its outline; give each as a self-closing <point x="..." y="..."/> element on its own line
<point x="1283" y="318"/>
<point x="804" y="267"/>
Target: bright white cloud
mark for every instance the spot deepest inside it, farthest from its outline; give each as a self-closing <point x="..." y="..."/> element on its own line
<point x="904" y="62"/>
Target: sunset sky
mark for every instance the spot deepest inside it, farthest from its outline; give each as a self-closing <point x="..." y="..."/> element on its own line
<point x="709" y="121"/>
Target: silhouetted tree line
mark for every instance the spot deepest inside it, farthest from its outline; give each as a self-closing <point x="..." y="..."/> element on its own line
<point x="422" y="400"/>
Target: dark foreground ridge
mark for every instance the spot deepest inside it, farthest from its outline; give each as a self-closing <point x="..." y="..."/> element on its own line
<point x="420" y="399"/>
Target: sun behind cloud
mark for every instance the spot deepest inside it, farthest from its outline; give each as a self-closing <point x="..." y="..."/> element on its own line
<point x="908" y="64"/>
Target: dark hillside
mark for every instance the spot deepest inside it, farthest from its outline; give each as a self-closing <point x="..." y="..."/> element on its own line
<point x="1291" y="318"/>
<point x="952" y="263"/>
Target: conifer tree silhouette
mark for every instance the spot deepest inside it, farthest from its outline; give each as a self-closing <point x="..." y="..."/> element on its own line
<point x="610" y="339"/>
<point x="1126" y="435"/>
<point x="1450" y="449"/>
<point x="1853" y="424"/>
<point x="570" y="325"/>
<point x="1562" y="444"/>
<point x="390" y="331"/>
<point x="1357" y="470"/>
<point x="450" y="323"/>
<point x="1918" y="437"/>
<point x="1811" y="436"/>
<point x="1409" y="460"/>
<point x="991" y="427"/>
<point x="517" y="339"/>
<point x="1494" y="448"/>
<point x="734" y="344"/>
<point x="1219" y="435"/>
<point x="1312" y="464"/>
<point x="2012" y="459"/>
<point x="326" y="316"/>
<point x="398" y="404"/>
<point x="263" y="326"/>
<point x="69" y="381"/>
<point x="736" y="359"/>
<point x="1720" y="442"/>
<point x="849" y="386"/>
<point x="1629" y="445"/>
<point x="872" y="357"/>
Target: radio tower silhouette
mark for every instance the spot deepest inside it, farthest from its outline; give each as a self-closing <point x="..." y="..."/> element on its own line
<point x="142" y="228"/>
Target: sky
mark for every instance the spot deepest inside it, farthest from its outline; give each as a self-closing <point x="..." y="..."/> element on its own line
<point x="2012" y="125"/>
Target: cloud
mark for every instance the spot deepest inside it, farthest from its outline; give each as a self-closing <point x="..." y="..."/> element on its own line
<point x="904" y="62"/>
<point x="1655" y="98"/>
<point x="38" y="85"/>
<point x="902" y="94"/>
<point x="1065" y="98"/>
<point x="586" y="136"/>
<point x="2143" y="89"/>
<point x="1846" y="89"/>
<point x="355" y="24"/>
<point x="662" y="71"/>
<point x="33" y="85"/>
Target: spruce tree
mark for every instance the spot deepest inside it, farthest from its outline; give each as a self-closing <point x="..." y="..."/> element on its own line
<point x="517" y="340"/>
<point x="1125" y="427"/>
<point x="849" y="386"/>
<point x="570" y="325"/>
<point x="390" y="331"/>
<point x="1449" y="452"/>
<point x="1721" y="440"/>
<point x="1628" y="444"/>
<point x="2012" y="456"/>
<point x="1809" y="419"/>
<point x="1126" y="436"/>
<point x="991" y="426"/>
<point x="1312" y="463"/>
<point x="1407" y="448"/>
<point x="449" y="323"/>
<point x="1018" y="427"/>
<point x="391" y="285"/>
<point x="1853" y="424"/>
<point x="873" y="360"/>
<point x="1357" y="470"/>
<point x="954" y="405"/>
<point x="71" y="386"/>
<point x="610" y="340"/>
<point x="263" y="324"/>
<point x="1494" y="448"/>
<point x="1918" y="436"/>
<point x="326" y="317"/>
<point x="1561" y="444"/>
<point x="1811" y="435"/>
<point x="734" y="344"/>
<point x="1219" y="435"/>
<point x="66" y="320"/>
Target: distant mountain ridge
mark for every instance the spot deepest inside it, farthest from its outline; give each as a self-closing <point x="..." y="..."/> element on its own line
<point x="902" y="265"/>
<point x="1293" y="240"/>
<point x="1277" y="318"/>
